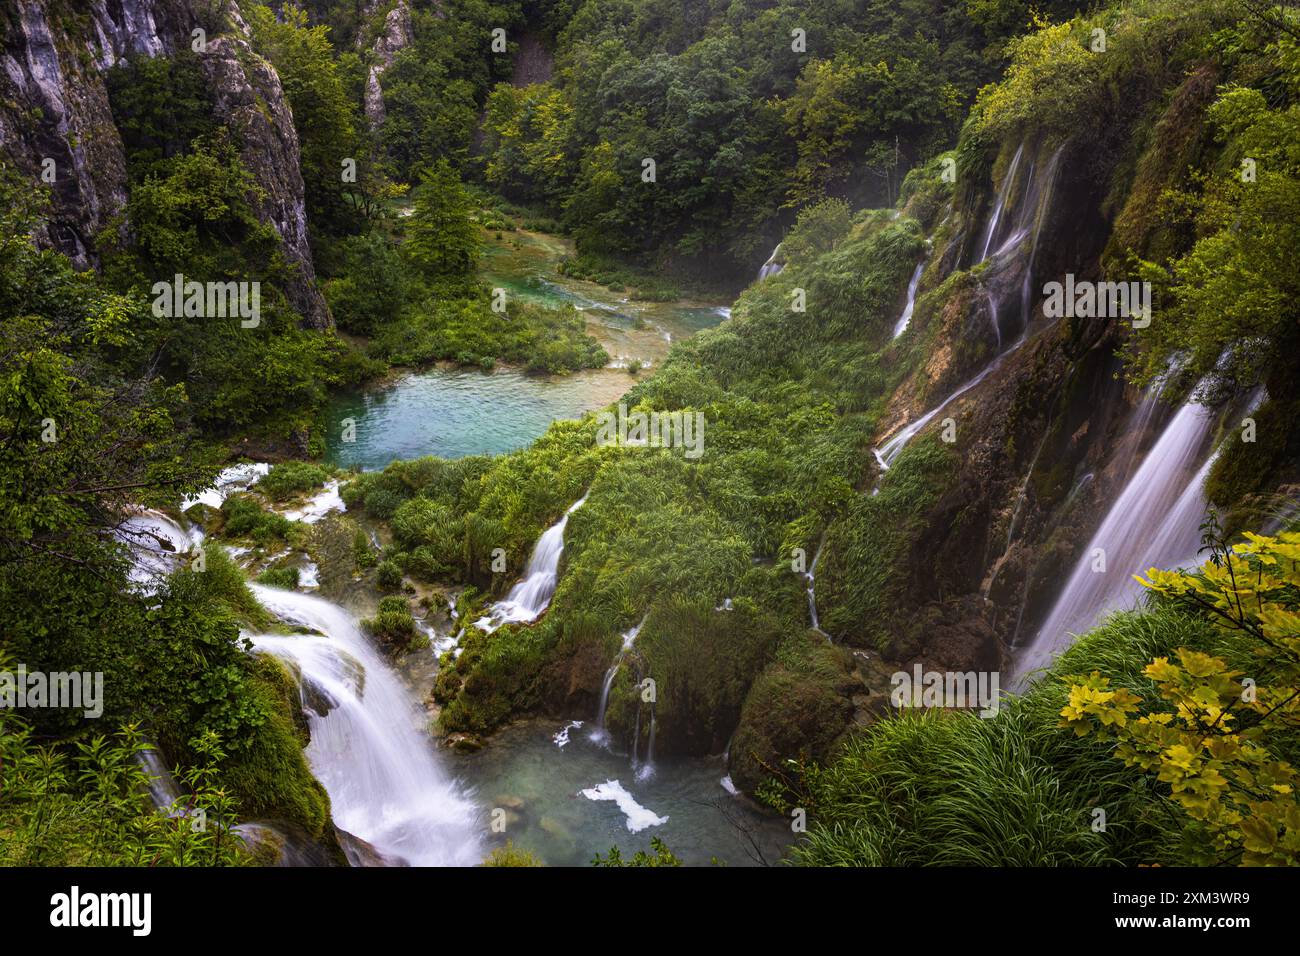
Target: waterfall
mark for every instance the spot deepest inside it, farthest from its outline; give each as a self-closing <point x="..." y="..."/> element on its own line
<point x="368" y="745"/>
<point x="532" y="594"/>
<point x="901" y="325"/>
<point x="888" y="452"/>
<point x="157" y="544"/>
<point x="811" y="578"/>
<point x="771" y="267"/>
<point x="647" y="769"/>
<point x="1154" y="522"/>
<point x="1001" y="202"/>
<point x="164" y="792"/>
<point x="599" y="734"/>
<point x="1034" y="204"/>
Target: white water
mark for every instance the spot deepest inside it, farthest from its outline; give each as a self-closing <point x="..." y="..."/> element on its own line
<point x="164" y="792"/>
<point x="638" y="817"/>
<point x="369" y="748"/>
<point x="1154" y="522"/>
<point x="771" y="267"/>
<point x="901" y="325"/>
<point x="157" y="545"/>
<point x="235" y="478"/>
<point x="811" y="578"/>
<point x="599" y="734"/>
<point x="533" y="593"/>
<point x="319" y="505"/>
<point x="1001" y="202"/>
<point x="888" y="452"/>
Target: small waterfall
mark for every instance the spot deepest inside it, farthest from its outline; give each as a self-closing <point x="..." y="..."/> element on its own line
<point x="1001" y="202"/>
<point x="993" y="319"/>
<point x="368" y="744"/>
<point x="811" y="578"/>
<point x="771" y="267"/>
<point x="901" y="325"/>
<point x="647" y="768"/>
<point x="163" y="789"/>
<point x="533" y="593"/>
<point x="157" y="545"/>
<point x="1154" y="522"/>
<point x="888" y="452"/>
<point x="1033" y="209"/>
<point x="599" y="734"/>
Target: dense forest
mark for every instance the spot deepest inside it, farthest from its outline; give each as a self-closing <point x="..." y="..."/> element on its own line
<point x="816" y="432"/>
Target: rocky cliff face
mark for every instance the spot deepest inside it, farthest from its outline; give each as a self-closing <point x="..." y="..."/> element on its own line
<point x="55" y="116"/>
<point x="394" y="35"/>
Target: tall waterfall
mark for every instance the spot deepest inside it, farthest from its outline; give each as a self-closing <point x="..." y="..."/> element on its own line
<point x="901" y="325"/>
<point x="1012" y="268"/>
<point x="1155" y="522"/>
<point x="533" y="593"/>
<point x="368" y="746"/>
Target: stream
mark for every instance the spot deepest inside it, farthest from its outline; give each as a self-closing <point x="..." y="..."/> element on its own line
<point x="547" y="786"/>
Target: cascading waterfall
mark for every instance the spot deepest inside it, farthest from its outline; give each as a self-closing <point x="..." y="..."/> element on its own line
<point x="1154" y="522"/>
<point x="157" y="544"/>
<point x="164" y="792"/>
<point x="533" y="593"/>
<point x="368" y="746"/>
<point x="888" y="452"/>
<point x="1033" y="208"/>
<point x="771" y="267"/>
<point x="901" y="325"/>
<point x="599" y="734"/>
<point x="1001" y="202"/>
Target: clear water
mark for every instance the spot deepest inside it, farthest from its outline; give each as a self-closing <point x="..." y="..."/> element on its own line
<point x="538" y="783"/>
<point x="453" y="412"/>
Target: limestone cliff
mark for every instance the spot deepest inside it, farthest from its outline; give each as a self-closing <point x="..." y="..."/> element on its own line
<point x="55" y="116"/>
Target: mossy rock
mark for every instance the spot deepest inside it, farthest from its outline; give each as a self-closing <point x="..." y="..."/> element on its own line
<point x="798" y="708"/>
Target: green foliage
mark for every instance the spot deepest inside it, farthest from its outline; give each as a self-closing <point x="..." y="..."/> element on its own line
<point x="863" y="569"/>
<point x="393" y="624"/>
<point x="510" y="855"/>
<point x="659" y="855"/>
<point x="954" y="789"/>
<point x="1215" y="740"/>
<point x="1227" y="307"/>
<point x="388" y="574"/>
<point x="373" y="288"/>
<point x="739" y="123"/>
<point x="160" y="105"/>
<point x="290" y="478"/>
<point x="324" y="116"/>
<point x="284" y="578"/>
<point x="81" y="804"/>
<point x="246" y="518"/>
<point x="194" y="215"/>
<point x="442" y="238"/>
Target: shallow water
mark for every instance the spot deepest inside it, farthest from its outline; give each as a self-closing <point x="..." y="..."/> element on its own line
<point x="454" y="412"/>
<point x="538" y="783"/>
